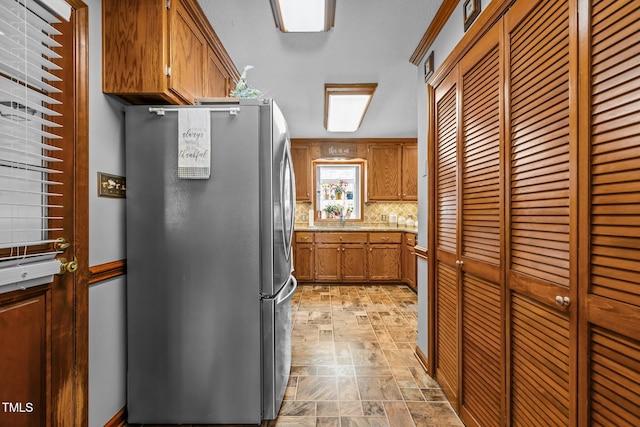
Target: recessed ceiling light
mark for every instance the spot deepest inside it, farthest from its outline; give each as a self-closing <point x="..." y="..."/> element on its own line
<point x="346" y="104"/>
<point x="295" y="16"/>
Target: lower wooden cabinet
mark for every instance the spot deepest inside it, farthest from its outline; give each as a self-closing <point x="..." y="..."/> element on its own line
<point x="384" y="262"/>
<point x="352" y="257"/>
<point x="328" y="259"/>
<point x="304" y="258"/>
<point x="354" y="262"/>
<point x="409" y="261"/>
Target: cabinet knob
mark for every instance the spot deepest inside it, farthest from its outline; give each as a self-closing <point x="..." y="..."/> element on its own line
<point x="459" y="263"/>
<point x="563" y="301"/>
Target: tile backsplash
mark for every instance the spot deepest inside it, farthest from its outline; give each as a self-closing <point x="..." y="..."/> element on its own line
<point x="373" y="211"/>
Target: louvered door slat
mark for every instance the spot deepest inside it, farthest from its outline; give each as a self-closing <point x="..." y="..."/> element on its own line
<point x="447" y="329"/>
<point x="447" y="170"/>
<point x="481" y="160"/>
<point x="482" y="336"/>
<point x="615" y="379"/>
<point x="528" y="150"/>
<point x="540" y="362"/>
<point x="613" y="348"/>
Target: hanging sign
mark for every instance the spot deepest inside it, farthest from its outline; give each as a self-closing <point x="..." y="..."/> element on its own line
<point x="342" y="150"/>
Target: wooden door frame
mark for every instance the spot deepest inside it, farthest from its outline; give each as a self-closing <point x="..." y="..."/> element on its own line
<point x="76" y="106"/>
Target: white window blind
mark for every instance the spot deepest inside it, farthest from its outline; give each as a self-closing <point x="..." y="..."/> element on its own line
<point x="30" y="173"/>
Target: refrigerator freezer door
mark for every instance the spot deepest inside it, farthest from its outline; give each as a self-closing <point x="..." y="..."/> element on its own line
<point x="278" y="198"/>
<point x="276" y="336"/>
<point x="194" y="268"/>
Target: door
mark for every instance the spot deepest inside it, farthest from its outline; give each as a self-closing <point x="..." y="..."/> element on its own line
<point x="542" y="248"/>
<point x="446" y="240"/>
<point x="277" y="328"/>
<point x="43" y="329"/>
<point x="610" y="221"/>
<point x="480" y="229"/>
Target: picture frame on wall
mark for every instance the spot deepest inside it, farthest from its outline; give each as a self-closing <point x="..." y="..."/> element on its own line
<point x="428" y="67"/>
<point x="471" y="10"/>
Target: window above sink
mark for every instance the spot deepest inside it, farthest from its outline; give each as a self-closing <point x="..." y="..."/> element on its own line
<point x="338" y="190"/>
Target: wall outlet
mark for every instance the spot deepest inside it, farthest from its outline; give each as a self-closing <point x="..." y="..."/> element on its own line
<point x="304" y="217"/>
<point x="384" y="217"/>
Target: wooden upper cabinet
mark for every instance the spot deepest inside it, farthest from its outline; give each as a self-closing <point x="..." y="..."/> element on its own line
<point x="217" y="80"/>
<point x="384" y="171"/>
<point x="409" y="172"/>
<point x="188" y="53"/>
<point x="162" y="52"/>
<point x="302" y="168"/>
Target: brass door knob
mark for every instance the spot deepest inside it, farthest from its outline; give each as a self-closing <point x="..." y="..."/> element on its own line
<point x="68" y="266"/>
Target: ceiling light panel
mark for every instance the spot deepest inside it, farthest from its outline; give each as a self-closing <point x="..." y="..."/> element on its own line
<point x="346" y="105"/>
<point x="296" y="16"/>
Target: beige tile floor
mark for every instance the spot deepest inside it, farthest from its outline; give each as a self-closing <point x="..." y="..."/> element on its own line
<point x="354" y="363"/>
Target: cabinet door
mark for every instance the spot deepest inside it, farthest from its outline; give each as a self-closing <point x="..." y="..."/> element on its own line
<point x="445" y="193"/>
<point x="541" y="240"/>
<point x="409" y="172"/>
<point x="354" y="262"/>
<point x="188" y="51"/>
<point x="328" y="259"/>
<point x="304" y="262"/>
<point x="217" y="80"/>
<point x="481" y="223"/>
<point x="609" y="167"/>
<point x="384" y="262"/>
<point x="302" y="167"/>
<point x="409" y="267"/>
<point x="383" y="172"/>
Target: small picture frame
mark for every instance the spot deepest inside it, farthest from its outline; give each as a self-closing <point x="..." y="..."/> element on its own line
<point x="428" y="66"/>
<point x="471" y="10"/>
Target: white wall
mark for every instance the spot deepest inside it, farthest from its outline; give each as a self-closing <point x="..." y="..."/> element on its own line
<point x="449" y="37"/>
<point x="107" y="300"/>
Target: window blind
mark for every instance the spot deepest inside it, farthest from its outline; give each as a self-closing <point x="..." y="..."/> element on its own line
<point x="30" y="172"/>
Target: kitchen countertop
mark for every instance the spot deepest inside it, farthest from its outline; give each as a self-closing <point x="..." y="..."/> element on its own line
<point x="353" y="227"/>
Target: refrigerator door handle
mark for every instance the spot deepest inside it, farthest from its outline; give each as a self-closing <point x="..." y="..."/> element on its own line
<point x="285" y="298"/>
<point x="286" y="168"/>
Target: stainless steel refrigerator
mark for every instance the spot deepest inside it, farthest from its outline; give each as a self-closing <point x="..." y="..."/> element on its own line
<point x="209" y="282"/>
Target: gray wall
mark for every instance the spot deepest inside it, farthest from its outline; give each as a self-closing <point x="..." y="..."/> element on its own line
<point x="449" y="37"/>
<point x="107" y="299"/>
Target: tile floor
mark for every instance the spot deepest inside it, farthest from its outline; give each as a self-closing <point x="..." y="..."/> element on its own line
<point x="354" y="363"/>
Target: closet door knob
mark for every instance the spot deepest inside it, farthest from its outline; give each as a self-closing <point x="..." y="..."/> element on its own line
<point x="563" y="301"/>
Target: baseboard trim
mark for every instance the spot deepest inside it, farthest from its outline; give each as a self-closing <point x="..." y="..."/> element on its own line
<point x="423" y="359"/>
<point x="119" y="419"/>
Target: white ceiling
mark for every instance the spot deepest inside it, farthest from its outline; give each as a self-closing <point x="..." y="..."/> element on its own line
<point x="371" y="42"/>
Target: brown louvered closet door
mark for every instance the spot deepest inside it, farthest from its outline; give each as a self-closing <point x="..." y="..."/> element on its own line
<point x="542" y="215"/>
<point x="446" y="275"/>
<point x="610" y="286"/>
<point x="481" y="224"/>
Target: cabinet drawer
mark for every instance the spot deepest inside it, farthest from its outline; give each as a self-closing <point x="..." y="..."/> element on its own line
<point x="385" y="237"/>
<point x="341" y="237"/>
<point x="304" y="237"/>
<point x="410" y="239"/>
